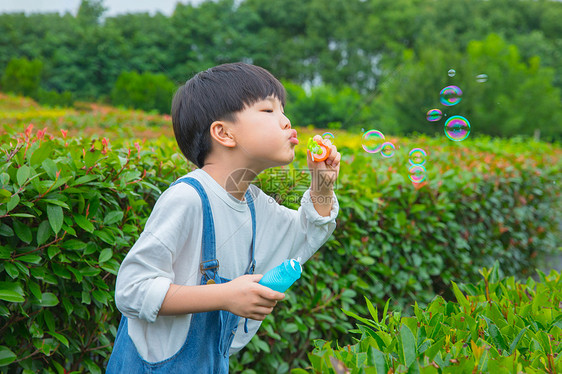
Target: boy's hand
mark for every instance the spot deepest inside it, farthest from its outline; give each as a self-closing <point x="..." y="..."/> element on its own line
<point x="324" y="173"/>
<point x="249" y="299"/>
<point x="323" y="176"/>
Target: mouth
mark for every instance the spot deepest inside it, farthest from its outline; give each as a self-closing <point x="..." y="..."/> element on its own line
<point x="293" y="139"/>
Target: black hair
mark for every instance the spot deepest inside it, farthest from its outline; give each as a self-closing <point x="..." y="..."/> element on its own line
<point x="217" y="94"/>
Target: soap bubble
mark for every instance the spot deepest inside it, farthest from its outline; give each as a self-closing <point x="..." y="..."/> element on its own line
<point x="387" y="149"/>
<point x="481" y="78"/>
<point x="328" y="135"/>
<point x="417" y="156"/>
<point x="372" y="141"/>
<point x="434" y="115"/>
<point x="450" y="95"/>
<point x="457" y="128"/>
<point x="451" y="72"/>
<point x="417" y="173"/>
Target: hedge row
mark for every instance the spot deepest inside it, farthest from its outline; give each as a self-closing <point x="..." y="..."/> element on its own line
<point x="495" y="326"/>
<point x="483" y="200"/>
<point x="71" y="208"/>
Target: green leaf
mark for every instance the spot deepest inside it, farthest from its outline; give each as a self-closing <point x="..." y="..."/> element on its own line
<point x="376" y="358"/>
<point x="23" y="232"/>
<point x="432" y="351"/>
<point x="495" y="334"/>
<point x="50" y="167"/>
<point x="55" y="215"/>
<point x="515" y="341"/>
<point x="85" y="179"/>
<point x="84" y="223"/>
<point x="23" y="174"/>
<point x="372" y="310"/>
<point x="49" y="319"/>
<point x="113" y="217"/>
<point x="74" y="244"/>
<point x="11" y="296"/>
<point x="22" y="215"/>
<point x="105" y="235"/>
<point x="6" y="230"/>
<point x="105" y="255"/>
<point x="461" y="299"/>
<point x="59" y="337"/>
<point x="408" y="345"/>
<point x="49" y="299"/>
<point x="6" y="356"/>
<point x="41" y="153"/>
<point x="11" y="269"/>
<point x="14" y="201"/>
<point x="5" y="195"/>
<point x="56" y="202"/>
<point x="43" y="232"/>
<point x="33" y="259"/>
<point x="35" y="289"/>
<point x="11" y="292"/>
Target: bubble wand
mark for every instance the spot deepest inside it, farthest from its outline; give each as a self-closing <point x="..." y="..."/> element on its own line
<point x="318" y="150"/>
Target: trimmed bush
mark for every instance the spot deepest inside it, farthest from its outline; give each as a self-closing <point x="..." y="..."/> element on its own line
<point x="495" y="326"/>
<point x="71" y="208"/>
<point x="69" y="211"/>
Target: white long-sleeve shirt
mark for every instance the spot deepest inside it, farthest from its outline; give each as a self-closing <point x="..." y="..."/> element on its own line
<point x="169" y="251"/>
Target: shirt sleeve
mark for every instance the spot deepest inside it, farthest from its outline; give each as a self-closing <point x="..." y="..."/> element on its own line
<point x="147" y="271"/>
<point x="300" y="232"/>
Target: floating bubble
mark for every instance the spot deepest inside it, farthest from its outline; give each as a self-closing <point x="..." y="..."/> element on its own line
<point x="387" y="149"/>
<point x="450" y="95"/>
<point x="372" y="141"/>
<point x="481" y="78"/>
<point x="417" y="156"/>
<point x="457" y="128"/>
<point x="328" y="135"/>
<point x="434" y="115"/>
<point x="451" y="72"/>
<point x="417" y="173"/>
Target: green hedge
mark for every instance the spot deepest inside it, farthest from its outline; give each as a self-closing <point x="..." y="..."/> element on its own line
<point x="484" y="200"/>
<point x="495" y="326"/>
<point x="71" y="208"/>
<point x="69" y="211"/>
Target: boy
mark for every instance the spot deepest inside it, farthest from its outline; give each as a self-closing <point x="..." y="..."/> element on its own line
<point x="182" y="313"/>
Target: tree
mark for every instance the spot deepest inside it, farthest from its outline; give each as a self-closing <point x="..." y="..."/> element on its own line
<point x="90" y="12"/>
<point x="144" y="91"/>
<point x="22" y="77"/>
<point x="517" y="98"/>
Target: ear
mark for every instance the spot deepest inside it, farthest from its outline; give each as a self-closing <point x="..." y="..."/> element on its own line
<point x="221" y="133"/>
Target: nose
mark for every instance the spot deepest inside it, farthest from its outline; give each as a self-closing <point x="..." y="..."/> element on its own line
<point x="286" y="122"/>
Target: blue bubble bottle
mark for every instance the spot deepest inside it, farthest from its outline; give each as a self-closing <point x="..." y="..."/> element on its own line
<point x="281" y="277"/>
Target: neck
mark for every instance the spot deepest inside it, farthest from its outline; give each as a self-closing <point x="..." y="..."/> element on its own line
<point x="235" y="181"/>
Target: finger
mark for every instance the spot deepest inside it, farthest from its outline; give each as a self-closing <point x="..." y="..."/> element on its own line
<point x="267" y="303"/>
<point x="254" y="277"/>
<point x="270" y="294"/>
<point x="337" y="159"/>
<point x="257" y="317"/>
<point x="263" y="310"/>
<point x="332" y="157"/>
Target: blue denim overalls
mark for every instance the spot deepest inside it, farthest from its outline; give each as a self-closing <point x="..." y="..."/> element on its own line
<point x="210" y="333"/>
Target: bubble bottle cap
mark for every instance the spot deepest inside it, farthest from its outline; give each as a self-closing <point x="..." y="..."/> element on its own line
<point x="318" y="150"/>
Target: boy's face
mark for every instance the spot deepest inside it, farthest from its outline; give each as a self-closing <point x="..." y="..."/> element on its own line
<point x="264" y="135"/>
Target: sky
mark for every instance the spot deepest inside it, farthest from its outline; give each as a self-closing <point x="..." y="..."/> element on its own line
<point x="113" y="6"/>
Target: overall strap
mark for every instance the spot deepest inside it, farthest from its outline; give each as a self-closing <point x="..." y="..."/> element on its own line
<point x="210" y="264"/>
<point x="250" y="201"/>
